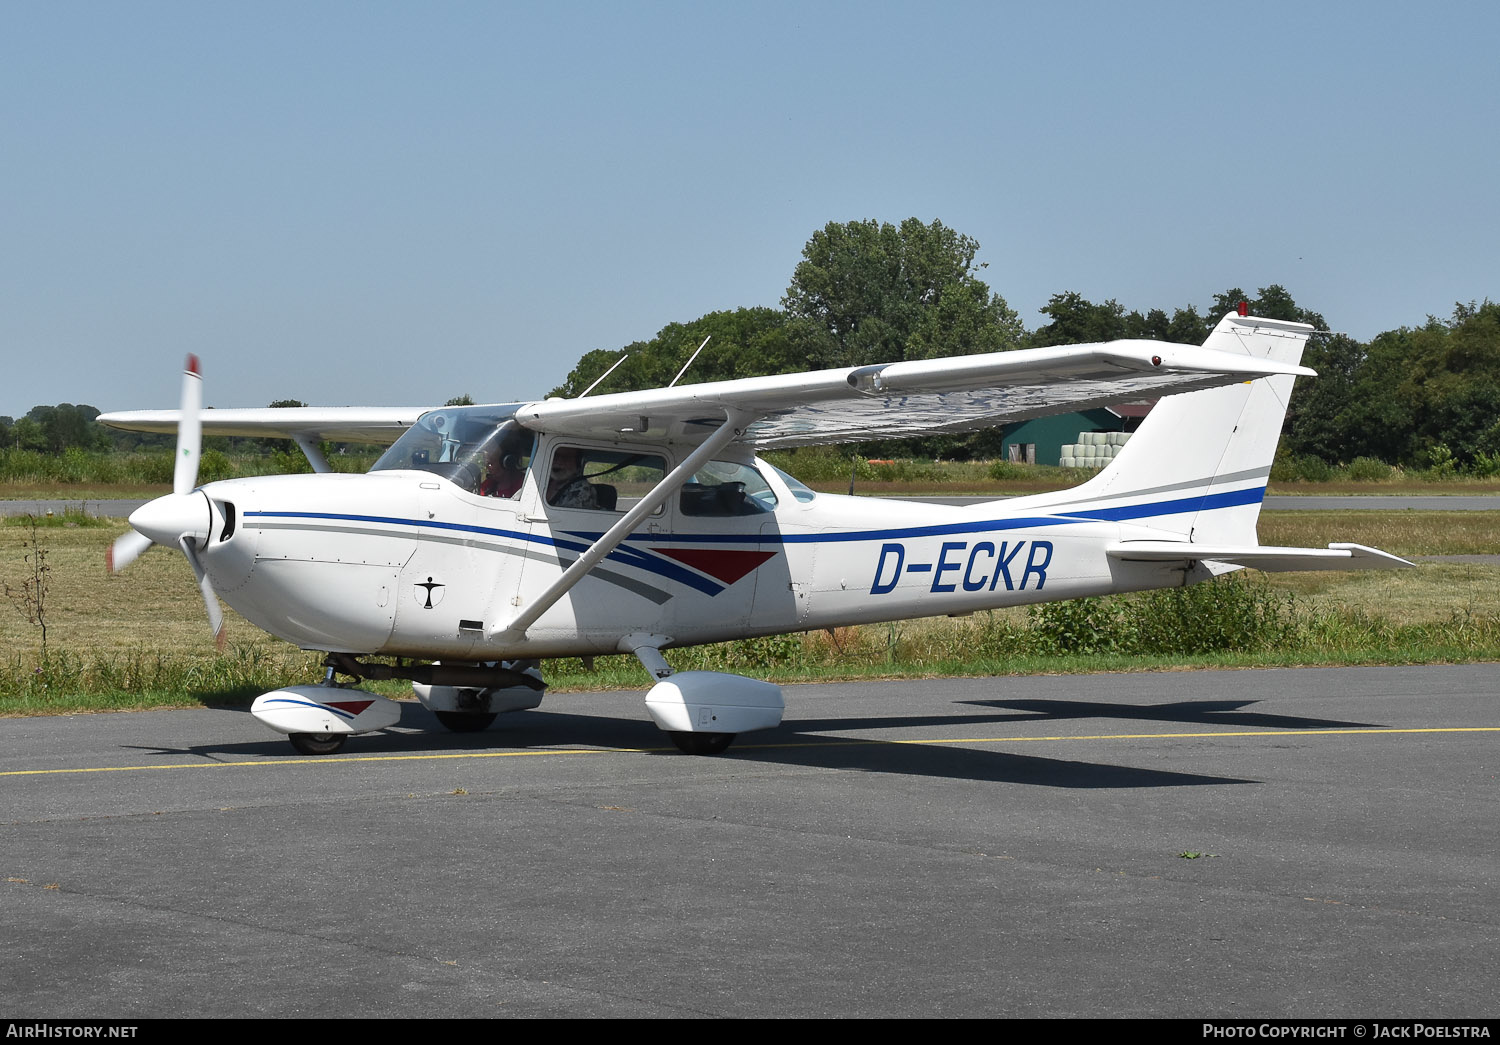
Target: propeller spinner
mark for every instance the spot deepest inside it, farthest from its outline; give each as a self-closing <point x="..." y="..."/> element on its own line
<point x="185" y="517"/>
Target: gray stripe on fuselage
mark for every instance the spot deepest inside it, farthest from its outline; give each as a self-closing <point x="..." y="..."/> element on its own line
<point x="630" y="584"/>
<point x="1191" y="484"/>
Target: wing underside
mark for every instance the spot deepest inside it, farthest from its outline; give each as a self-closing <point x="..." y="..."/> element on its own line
<point x="920" y="397"/>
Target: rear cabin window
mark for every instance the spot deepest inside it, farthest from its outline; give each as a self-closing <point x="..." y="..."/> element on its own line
<point x="724" y="488"/>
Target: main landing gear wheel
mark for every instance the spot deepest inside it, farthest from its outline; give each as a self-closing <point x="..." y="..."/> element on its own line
<point x="466" y="721"/>
<point x="701" y="743"/>
<point x="316" y="743"/>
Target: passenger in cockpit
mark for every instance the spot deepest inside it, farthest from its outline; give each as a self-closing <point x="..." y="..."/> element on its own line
<point x="566" y="486"/>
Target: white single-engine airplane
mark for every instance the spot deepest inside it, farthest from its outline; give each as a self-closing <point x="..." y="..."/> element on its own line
<point x="488" y="538"/>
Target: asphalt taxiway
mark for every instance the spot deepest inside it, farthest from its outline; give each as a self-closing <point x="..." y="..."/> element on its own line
<point x="1210" y="843"/>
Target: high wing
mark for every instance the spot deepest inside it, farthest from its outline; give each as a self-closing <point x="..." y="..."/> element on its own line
<point x="380" y="426"/>
<point x="918" y="397"/>
<point x="890" y="400"/>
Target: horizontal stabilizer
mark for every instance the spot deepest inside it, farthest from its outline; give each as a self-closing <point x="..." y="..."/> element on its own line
<point x="1261" y="557"/>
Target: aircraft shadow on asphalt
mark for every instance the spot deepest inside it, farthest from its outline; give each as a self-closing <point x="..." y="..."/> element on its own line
<point x="1216" y="713"/>
<point x="947" y="761"/>
<point x="794" y="743"/>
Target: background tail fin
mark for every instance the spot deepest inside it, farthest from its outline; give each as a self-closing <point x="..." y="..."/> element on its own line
<point x="1199" y="462"/>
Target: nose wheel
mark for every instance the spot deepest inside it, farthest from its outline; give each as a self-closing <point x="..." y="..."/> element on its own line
<point x="316" y="743"/>
<point x="465" y="721"/>
<point x="701" y="743"/>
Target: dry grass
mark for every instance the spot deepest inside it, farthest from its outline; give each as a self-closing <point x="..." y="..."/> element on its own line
<point x="1404" y="533"/>
<point x="1429" y="594"/>
<point x="154" y="603"/>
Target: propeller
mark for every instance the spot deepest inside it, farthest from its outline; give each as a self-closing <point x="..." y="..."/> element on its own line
<point x="126" y="549"/>
<point x="183" y="518"/>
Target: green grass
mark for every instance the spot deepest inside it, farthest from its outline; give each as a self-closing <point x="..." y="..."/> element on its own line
<point x="828" y="468"/>
<point x="93" y="475"/>
<point x="69" y="518"/>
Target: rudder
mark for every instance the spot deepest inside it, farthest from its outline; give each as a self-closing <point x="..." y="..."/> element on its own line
<point x="1199" y="462"/>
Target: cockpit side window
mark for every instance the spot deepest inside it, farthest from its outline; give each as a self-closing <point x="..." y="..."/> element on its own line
<point x="798" y="490"/>
<point x="600" y="480"/>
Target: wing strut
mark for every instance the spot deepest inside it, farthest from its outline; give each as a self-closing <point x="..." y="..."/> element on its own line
<point x="314" y="454"/>
<point x="514" y="629"/>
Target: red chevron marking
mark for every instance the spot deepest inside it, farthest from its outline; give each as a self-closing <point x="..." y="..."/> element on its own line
<point x="719" y="563"/>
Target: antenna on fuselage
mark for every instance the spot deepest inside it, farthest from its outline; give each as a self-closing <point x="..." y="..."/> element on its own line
<point x="602" y="376"/>
<point x="688" y="363"/>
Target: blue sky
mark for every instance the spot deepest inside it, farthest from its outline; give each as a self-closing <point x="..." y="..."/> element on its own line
<point x="392" y="204"/>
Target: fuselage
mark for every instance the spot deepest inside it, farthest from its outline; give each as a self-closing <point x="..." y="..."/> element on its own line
<point x="410" y="563"/>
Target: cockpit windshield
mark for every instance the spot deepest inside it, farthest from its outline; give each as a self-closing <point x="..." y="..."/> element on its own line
<point x="480" y="448"/>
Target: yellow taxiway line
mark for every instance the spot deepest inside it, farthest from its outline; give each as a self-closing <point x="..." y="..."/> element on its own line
<point x="325" y="760"/>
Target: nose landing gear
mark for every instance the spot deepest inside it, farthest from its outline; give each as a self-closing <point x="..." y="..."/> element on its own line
<point x="316" y="743"/>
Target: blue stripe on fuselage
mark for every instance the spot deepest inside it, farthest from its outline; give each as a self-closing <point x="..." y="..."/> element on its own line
<point x="646" y="560"/>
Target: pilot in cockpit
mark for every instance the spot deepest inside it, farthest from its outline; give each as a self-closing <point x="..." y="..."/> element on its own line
<point x="502" y="477"/>
<point x="505" y="464"/>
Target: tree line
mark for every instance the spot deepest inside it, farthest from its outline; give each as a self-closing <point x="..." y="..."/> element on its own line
<point x="872" y="292"/>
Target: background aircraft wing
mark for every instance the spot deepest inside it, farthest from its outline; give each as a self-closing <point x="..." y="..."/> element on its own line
<point x="917" y="397"/>
<point x="381" y="426"/>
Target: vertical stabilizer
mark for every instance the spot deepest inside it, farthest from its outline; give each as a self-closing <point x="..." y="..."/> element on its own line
<point x="1199" y="462"/>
